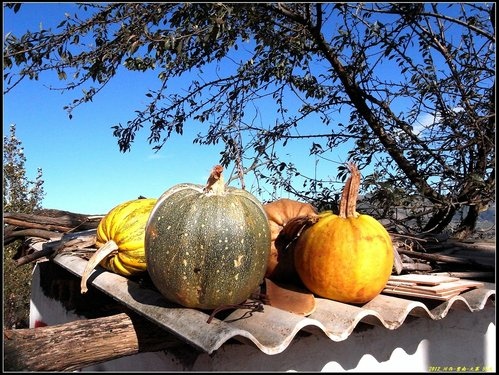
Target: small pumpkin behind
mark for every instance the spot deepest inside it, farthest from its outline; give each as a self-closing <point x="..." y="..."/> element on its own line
<point x="120" y="240"/>
<point x="280" y="266"/>
<point x="207" y="246"/>
<point x="346" y="257"/>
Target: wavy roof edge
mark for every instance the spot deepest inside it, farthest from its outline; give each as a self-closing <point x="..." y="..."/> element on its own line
<point x="271" y="330"/>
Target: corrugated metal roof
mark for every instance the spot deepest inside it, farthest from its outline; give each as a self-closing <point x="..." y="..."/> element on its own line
<point x="271" y="330"/>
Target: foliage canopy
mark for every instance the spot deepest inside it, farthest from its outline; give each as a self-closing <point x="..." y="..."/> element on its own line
<point x="387" y="65"/>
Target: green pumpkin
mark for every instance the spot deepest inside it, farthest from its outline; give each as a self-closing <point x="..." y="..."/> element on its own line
<point x="207" y="246"/>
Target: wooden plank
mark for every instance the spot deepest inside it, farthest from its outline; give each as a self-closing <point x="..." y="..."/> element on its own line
<point x="423" y="293"/>
<point x="423" y="279"/>
<point x="420" y="295"/>
<point x="428" y="292"/>
<point x="440" y="288"/>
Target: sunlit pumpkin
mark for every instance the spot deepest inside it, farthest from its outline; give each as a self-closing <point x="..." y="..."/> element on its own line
<point x="120" y="240"/>
<point x="207" y="246"/>
<point x="346" y="257"/>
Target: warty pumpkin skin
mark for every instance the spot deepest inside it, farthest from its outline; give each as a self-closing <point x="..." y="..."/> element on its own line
<point x="120" y="239"/>
<point x="207" y="246"/>
<point x="346" y="257"/>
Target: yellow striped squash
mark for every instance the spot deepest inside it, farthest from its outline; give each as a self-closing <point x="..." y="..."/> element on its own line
<point x="120" y="239"/>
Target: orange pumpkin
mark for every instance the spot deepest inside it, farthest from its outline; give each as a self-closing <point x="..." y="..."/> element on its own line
<point x="346" y="257"/>
<point x="280" y="265"/>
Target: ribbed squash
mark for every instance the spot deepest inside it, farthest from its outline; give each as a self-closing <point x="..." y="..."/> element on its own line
<point x="120" y="240"/>
<point x="207" y="246"/>
<point x="346" y="257"/>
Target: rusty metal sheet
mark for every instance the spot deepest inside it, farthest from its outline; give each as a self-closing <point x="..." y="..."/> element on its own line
<point x="271" y="330"/>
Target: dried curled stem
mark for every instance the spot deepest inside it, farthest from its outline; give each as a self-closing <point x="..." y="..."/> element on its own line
<point x="215" y="183"/>
<point x="348" y="202"/>
<point x="102" y="253"/>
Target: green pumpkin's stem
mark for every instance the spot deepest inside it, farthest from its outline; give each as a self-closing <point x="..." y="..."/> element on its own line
<point x="348" y="203"/>
<point x="215" y="183"/>
<point x="102" y="253"/>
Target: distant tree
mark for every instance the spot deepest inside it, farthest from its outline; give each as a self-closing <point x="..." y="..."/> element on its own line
<point x="20" y="194"/>
<point x="386" y="65"/>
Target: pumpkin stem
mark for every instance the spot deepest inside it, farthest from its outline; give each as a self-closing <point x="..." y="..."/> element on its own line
<point x="348" y="202"/>
<point x="215" y="183"/>
<point x="96" y="258"/>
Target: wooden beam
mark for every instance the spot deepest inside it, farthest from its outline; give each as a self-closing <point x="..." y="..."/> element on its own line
<point x="78" y="344"/>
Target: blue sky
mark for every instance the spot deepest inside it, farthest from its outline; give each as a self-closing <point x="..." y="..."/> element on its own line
<point x="83" y="169"/>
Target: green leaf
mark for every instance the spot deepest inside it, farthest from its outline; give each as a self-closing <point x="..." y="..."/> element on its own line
<point x="62" y="75"/>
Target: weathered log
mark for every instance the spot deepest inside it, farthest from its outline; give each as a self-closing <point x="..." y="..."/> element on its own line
<point x="447" y="259"/>
<point x="67" y="221"/>
<point x="416" y="267"/>
<point x="31" y="232"/>
<point x="78" y="344"/>
<point x="45" y="252"/>
<point x="452" y="244"/>
<point x="475" y="275"/>
<point x="24" y="223"/>
<point x="67" y="242"/>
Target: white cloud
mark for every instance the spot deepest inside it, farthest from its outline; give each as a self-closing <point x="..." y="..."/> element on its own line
<point x="424" y="121"/>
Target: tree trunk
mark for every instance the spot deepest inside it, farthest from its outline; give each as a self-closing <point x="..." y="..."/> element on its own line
<point x="74" y="345"/>
<point x="440" y="220"/>
<point x="468" y="224"/>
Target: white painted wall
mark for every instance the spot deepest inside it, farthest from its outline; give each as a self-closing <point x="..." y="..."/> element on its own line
<point x="463" y="341"/>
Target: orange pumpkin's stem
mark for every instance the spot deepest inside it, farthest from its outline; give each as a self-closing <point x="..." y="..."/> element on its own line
<point x="215" y="182"/>
<point x="348" y="202"/>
